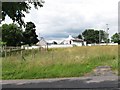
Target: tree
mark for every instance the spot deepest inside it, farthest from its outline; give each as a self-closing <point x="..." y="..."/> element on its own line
<point x="29" y="34"/>
<point x="11" y="35"/>
<point x="94" y="36"/>
<point x="104" y="37"/>
<point x="79" y="36"/>
<point x="15" y="10"/>
<point x="88" y="35"/>
<point x="116" y="38"/>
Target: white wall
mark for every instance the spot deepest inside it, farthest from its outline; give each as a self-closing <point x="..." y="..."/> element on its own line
<point x="77" y="43"/>
<point x="110" y="44"/>
<point x="49" y="46"/>
<point x="64" y="46"/>
<point x="60" y="46"/>
<point x="28" y="47"/>
<point x="85" y="43"/>
<point x="103" y="44"/>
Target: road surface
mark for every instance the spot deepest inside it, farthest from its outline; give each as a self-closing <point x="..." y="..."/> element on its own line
<point x="95" y="82"/>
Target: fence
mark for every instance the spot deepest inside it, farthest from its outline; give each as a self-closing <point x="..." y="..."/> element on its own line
<point x="56" y="54"/>
<point x="103" y="44"/>
<point x="20" y="52"/>
<point x="25" y="53"/>
<point x="34" y="54"/>
<point x="5" y="51"/>
<point x="60" y="46"/>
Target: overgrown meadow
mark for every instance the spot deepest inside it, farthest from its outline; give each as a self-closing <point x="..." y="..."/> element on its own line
<point x="59" y="62"/>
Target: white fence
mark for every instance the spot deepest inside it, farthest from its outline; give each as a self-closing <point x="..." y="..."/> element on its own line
<point x="60" y="46"/>
<point x="102" y="44"/>
<point x="49" y="46"/>
<point x="28" y="47"/>
<point x="64" y="46"/>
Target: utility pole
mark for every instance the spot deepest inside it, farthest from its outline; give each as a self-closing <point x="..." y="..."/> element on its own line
<point x="107" y="34"/>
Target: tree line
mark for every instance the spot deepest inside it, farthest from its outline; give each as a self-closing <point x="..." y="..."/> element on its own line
<point x="13" y="35"/>
<point x="98" y="36"/>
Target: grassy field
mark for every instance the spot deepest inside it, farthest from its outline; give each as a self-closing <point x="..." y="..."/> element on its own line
<point x="61" y="62"/>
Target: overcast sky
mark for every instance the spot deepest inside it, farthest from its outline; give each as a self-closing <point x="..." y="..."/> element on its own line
<point x="59" y="18"/>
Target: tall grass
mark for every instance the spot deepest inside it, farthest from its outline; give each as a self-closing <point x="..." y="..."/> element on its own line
<point x="59" y="62"/>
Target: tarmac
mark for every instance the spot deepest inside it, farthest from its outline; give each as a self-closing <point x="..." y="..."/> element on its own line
<point x="95" y="82"/>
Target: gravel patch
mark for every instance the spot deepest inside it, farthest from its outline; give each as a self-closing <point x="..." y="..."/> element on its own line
<point x="102" y="71"/>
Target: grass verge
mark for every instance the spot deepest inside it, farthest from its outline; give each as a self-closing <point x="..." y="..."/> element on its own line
<point x="59" y="62"/>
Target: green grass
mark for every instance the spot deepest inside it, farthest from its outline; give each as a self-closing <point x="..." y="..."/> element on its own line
<point x="59" y="62"/>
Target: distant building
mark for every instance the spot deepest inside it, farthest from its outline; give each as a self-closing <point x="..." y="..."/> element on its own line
<point x="42" y="43"/>
<point x="62" y="43"/>
<point x="74" y="41"/>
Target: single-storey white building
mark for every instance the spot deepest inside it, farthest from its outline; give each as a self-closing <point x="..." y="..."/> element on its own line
<point x="74" y="41"/>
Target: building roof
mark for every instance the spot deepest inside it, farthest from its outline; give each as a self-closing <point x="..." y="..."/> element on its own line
<point x="69" y="37"/>
<point x="42" y="42"/>
<point x="74" y="39"/>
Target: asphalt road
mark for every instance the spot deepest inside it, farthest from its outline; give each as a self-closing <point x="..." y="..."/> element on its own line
<point x="96" y="82"/>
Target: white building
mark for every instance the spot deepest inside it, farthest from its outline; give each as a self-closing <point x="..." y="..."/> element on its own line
<point x="42" y="43"/>
<point x="74" y="41"/>
<point x="61" y="43"/>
